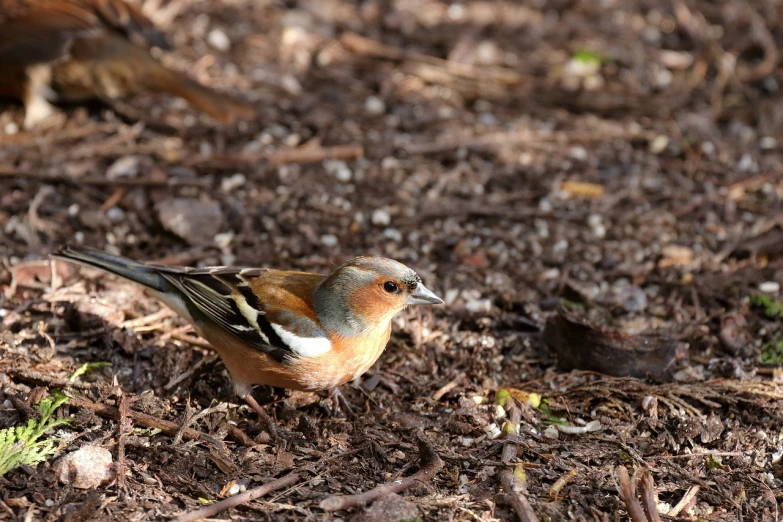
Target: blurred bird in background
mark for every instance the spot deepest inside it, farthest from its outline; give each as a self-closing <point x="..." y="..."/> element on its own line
<point x="75" y="50"/>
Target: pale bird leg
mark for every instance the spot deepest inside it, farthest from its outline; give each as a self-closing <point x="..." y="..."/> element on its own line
<point x="339" y="401"/>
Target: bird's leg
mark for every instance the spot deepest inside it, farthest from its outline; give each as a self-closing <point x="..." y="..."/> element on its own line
<point x="270" y="425"/>
<point x="36" y="107"/>
<point x="339" y="401"/>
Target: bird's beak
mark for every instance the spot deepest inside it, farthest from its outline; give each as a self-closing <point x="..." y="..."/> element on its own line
<point x="423" y="295"/>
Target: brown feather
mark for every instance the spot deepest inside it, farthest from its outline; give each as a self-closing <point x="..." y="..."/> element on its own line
<point x="92" y="49"/>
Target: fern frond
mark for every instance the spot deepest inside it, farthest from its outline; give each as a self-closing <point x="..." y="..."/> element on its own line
<point x="19" y="445"/>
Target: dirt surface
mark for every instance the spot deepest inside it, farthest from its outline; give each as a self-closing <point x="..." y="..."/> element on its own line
<point x="620" y="158"/>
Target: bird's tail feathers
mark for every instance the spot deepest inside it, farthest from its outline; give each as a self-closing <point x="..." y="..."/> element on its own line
<point x="122" y="266"/>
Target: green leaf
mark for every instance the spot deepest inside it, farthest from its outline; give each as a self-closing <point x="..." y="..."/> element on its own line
<point x="19" y="445"/>
<point x="772" y="307"/>
<point x="86" y="367"/>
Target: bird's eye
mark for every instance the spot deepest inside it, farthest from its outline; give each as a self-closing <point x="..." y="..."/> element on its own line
<point x="391" y="287"/>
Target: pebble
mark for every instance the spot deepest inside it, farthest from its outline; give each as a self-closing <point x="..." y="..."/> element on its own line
<point x="234" y="489"/>
<point x="329" y="240"/>
<point x="11" y="128"/>
<point x="233" y="182"/>
<point x="380" y="217"/>
<point x="223" y="240"/>
<point x="769" y="287"/>
<point x="551" y="432"/>
<point x="578" y="153"/>
<point x="193" y="220"/>
<point x="768" y="143"/>
<point x="218" y="39"/>
<point x="374" y="106"/>
<point x="659" y="144"/>
<point x="86" y="468"/>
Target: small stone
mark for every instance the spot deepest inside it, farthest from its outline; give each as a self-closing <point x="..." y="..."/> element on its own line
<point x="374" y="106"/>
<point x="391" y="507"/>
<point x="219" y="40"/>
<point x="193" y="220"/>
<point x="233" y="490"/>
<point x="115" y="214"/>
<point x="233" y="182"/>
<point x="343" y="174"/>
<point x="659" y="144"/>
<point x="86" y="468"/>
<point x="380" y="217"/>
<point x="11" y="128"/>
<point x="578" y="153"/>
<point x="768" y="143"/>
<point x="551" y="432"/>
<point x="329" y="240"/>
<point x="393" y="234"/>
<point x="769" y="287"/>
<point x="129" y="167"/>
<point x="223" y="240"/>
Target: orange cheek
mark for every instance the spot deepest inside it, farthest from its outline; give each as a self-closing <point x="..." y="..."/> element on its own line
<point x="366" y="303"/>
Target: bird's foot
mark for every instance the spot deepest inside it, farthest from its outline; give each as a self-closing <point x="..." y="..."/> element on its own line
<point x="276" y="433"/>
<point x="338" y="402"/>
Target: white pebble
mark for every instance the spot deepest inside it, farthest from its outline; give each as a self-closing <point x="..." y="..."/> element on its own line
<point x="219" y="40"/>
<point x="224" y="239"/>
<point x="343" y="174"/>
<point x="86" y="468"/>
<point x="233" y="490"/>
<point x="769" y="287"/>
<point x="578" y="153"/>
<point x="115" y="214"/>
<point x="11" y="128"/>
<point x="492" y="431"/>
<point x="329" y="240"/>
<point x="659" y="144"/>
<point x="551" y="432"/>
<point x="232" y="182"/>
<point x="393" y="234"/>
<point x="768" y="143"/>
<point x="380" y="217"/>
<point x="73" y="210"/>
<point x="374" y="106"/>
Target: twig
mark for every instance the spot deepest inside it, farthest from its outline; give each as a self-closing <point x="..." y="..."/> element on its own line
<point x="517" y="499"/>
<point x="368" y="47"/>
<point x="125" y="426"/>
<point x="167" y="427"/>
<point x="513" y="487"/>
<point x="307" y="153"/>
<point x="627" y="491"/>
<point x="430" y="465"/>
<point x="8" y="171"/>
<point x="684" y="501"/>
<point x="446" y="388"/>
<point x="238" y="500"/>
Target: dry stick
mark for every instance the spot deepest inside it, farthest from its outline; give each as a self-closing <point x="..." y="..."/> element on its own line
<point x="238" y="500"/>
<point x="430" y="465"/>
<point x="368" y="47"/>
<point x="508" y="481"/>
<point x="8" y="171"/>
<point x="125" y="426"/>
<point x="689" y="496"/>
<point x="627" y="491"/>
<point x="304" y="154"/>
<point x="167" y="427"/>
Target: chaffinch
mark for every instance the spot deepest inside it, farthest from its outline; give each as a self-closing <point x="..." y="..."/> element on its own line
<point x="295" y="330"/>
<point x="73" y="50"/>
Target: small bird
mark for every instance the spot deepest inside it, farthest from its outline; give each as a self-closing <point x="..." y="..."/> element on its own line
<point x="295" y="330"/>
<point x="75" y="50"/>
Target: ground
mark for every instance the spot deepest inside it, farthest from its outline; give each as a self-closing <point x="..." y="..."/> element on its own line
<point x="611" y="163"/>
